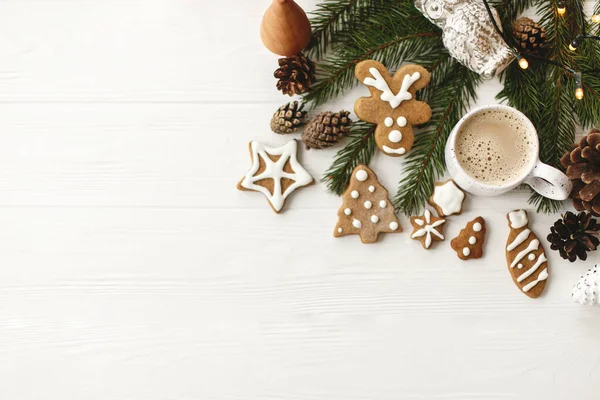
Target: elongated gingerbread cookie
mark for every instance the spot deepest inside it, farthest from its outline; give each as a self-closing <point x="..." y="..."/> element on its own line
<point x="525" y="256"/>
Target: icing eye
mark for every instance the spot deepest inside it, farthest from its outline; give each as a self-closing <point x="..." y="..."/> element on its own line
<point x="434" y="9"/>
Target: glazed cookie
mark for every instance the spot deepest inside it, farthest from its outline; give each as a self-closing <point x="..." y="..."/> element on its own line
<point x="366" y="209"/>
<point x="447" y="198"/>
<point x="427" y="229"/>
<point x="392" y="105"/>
<point x="469" y="242"/>
<point x="525" y="256"/>
<point x="275" y="172"/>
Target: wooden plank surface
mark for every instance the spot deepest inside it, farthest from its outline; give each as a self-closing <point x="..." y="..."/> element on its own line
<point x="132" y="268"/>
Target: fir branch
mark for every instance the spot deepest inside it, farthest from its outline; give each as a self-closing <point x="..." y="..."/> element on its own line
<point x="450" y="94"/>
<point x="358" y="151"/>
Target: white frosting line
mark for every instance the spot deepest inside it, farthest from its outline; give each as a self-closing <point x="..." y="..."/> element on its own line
<point x="541" y="277"/>
<point x="520" y="238"/>
<point x="518" y="219"/>
<point x="379" y="83"/>
<point x="533" y="245"/>
<point x="541" y="259"/>
<point x="448" y="197"/>
<point x="389" y="150"/>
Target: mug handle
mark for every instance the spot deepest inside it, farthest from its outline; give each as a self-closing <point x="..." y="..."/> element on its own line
<point x="549" y="182"/>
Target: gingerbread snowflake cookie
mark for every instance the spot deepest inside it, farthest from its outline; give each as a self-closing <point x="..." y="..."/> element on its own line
<point x="427" y="229"/>
<point x="392" y="104"/>
<point x="275" y="172"/>
<point x="447" y="198"/>
<point x="525" y="256"/>
<point x="366" y="209"/>
<point x="469" y="242"/>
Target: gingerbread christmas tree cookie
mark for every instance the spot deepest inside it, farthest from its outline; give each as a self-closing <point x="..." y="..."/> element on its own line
<point x="427" y="229"/>
<point x="525" y="256"/>
<point x="469" y="242"/>
<point x="366" y="209"/>
<point x="275" y="172"/>
<point x="393" y="105"/>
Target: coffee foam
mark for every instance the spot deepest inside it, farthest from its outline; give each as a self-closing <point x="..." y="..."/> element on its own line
<point x="495" y="147"/>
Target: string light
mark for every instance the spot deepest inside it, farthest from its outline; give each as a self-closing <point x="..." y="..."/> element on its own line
<point x="575" y="43"/>
<point x="596" y="18"/>
<point x="578" y="85"/>
<point x="523" y="63"/>
<point x="561" y="8"/>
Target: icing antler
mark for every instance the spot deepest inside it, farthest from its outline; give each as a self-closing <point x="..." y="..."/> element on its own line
<point x="380" y="83"/>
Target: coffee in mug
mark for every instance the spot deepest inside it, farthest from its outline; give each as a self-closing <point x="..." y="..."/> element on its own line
<point x="495" y="147"/>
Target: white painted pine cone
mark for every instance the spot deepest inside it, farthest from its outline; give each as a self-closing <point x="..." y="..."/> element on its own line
<point x="587" y="290"/>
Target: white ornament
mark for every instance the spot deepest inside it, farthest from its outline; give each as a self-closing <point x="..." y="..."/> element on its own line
<point x="428" y="228"/>
<point x="275" y="170"/>
<point x="587" y="290"/>
<point x="449" y="198"/>
<point x="379" y="83"/>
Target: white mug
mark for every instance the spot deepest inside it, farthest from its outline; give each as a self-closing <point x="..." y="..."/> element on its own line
<point x="544" y="179"/>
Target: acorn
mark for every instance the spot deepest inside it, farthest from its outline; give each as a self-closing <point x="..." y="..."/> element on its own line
<point x="285" y="29"/>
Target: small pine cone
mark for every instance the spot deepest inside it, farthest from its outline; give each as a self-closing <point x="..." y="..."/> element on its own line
<point x="574" y="235"/>
<point x="326" y="129"/>
<point x="528" y="34"/>
<point x="289" y="118"/>
<point x="582" y="166"/>
<point x="295" y="74"/>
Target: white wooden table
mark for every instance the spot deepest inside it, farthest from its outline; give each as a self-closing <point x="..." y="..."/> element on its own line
<point x="132" y="268"/>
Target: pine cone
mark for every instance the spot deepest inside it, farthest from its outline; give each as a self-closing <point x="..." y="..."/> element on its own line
<point x="574" y="235"/>
<point x="326" y="129"/>
<point x="583" y="168"/>
<point x="295" y="74"/>
<point x="529" y="34"/>
<point x="289" y="118"/>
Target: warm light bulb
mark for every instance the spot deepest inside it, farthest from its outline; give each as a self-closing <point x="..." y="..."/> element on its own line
<point x="523" y="63"/>
<point x="579" y="93"/>
<point x="561" y="8"/>
<point x="596" y="18"/>
<point x="571" y="47"/>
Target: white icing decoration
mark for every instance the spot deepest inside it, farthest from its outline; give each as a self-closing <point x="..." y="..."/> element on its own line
<point x="477" y="227"/>
<point x="386" y="93"/>
<point x="541" y="259"/>
<point x="347" y="211"/>
<point x="472" y="240"/>
<point x="274" y="170"/>
<point x="374" y="219"/>
<point x="340" y="230"/>
<point x="383" y="204"/>
<point x="389" y="121"/>
<point x="428" y="229"/>
<point x="518" y="219"/>
<point x="449" y="198"/>
<point x="586" y="290"/>
<point x="395" y="136"/>
<point x="521" y="237"/>
<point x="531" y="257"/>
<point x="402" y="122"/>
<point x="519" y="265"/>
<point x="466" y="251"/>
<point x="354" y="194"/>
<point x="362" y="175"/>
<point x="533" y="245"/>
<point x="541" y="277"/>
<point x="368" y="205"/>
<point x="371" y="189"/>
<point x="393" y="225"/>
<point x="356" y="223"/>
<point x="389" y="150"/>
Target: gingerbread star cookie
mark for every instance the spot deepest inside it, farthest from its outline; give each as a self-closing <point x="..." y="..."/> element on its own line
<point x="469" y="242"/>
<point x="525" y="256"/>
<point x="366" y="209"/>
<point x="427" y="229"/>
<point x="393" y="105"/>
<point x="275" y="172"/>
<point x="447" y="198"/>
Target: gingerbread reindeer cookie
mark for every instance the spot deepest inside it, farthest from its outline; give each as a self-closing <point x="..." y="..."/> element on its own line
<point x="525" y="256"/>
<point x="392" y="105"/>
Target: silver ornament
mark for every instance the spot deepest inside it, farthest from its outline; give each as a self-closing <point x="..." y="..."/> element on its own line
<point x="468" y="34"/>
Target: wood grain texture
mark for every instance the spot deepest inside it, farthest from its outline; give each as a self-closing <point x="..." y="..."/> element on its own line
<point x="132" y="268"/>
